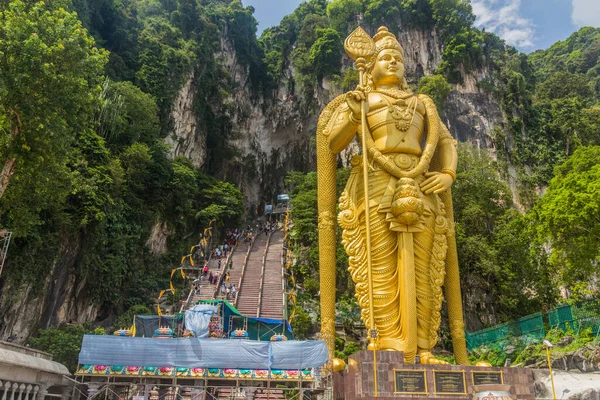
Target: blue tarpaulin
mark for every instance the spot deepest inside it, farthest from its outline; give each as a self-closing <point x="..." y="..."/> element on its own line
<point x="202" y="353"/>
<point x="197" y="319"/>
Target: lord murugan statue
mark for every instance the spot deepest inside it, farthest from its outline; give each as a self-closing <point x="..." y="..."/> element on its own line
<point x="396" y="209"/>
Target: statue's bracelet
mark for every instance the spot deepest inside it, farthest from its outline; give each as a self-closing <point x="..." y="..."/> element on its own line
<point x="449" y="172"/>
<point x="353" y="119"/>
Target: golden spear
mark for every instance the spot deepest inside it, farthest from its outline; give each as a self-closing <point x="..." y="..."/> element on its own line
<point x="359" y="46"/>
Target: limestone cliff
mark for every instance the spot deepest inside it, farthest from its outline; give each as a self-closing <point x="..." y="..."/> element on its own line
<point x="274" y="133"/>
<point x="62" y="299"/>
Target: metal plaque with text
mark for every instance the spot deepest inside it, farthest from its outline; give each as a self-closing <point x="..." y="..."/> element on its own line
<point x="449" y="382"/>
<point x="488" y="377"/>
<point x="410" y="381"/>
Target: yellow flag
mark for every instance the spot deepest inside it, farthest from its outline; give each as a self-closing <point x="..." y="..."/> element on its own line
<point x="161" y="294"/>
<point x="158" y="310"/>
<point x="173" y="271"/>
<point x="192" y="249"/>
<point x="171" y="286"/>
<point x="182" y="260"/>
<point x="132" y="329"/>
<point x="182" y="274"/>
<point x="192" y="261"/>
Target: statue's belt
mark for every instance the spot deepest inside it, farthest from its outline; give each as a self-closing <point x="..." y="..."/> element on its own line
<point x="403" y="161"/>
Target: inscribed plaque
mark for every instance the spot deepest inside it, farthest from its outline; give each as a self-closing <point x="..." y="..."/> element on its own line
<point x="449" y="382"/>
<point x="410" y="381"/>
<point x="487" y="377"/>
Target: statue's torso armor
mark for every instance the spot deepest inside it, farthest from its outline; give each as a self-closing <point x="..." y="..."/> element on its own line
<point x="397" y="124"/>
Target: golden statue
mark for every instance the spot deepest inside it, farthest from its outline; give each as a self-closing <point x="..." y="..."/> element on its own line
<point x="399" y="232"/>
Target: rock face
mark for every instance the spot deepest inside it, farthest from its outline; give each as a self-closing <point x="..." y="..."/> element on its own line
<point x="186" y="140"/>
<point x="274" y="134"/>
<point x="471" y="117"/>
<point x="586" y="359"/>
<point x="62" y="299"/>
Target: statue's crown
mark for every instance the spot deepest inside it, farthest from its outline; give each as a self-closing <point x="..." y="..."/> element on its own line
<point x="386" y="40"/>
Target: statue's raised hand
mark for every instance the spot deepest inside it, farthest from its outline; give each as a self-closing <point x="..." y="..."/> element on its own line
<point x="354" y="99"/>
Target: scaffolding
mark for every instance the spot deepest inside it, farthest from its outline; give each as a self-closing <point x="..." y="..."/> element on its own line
<point x="112" y="388"/>
<point x="5" y="237"/>
<point x="198" y="391"/>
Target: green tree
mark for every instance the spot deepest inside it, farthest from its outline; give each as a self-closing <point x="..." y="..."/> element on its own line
<point x="343" y="13"/>
<point x="437" y="88"/>
<point x="127" y="116"/>
<point x="50" y="71"/>
<point x="64" y="343"/>
<point x="165" y="57"/>
<point x="452" y="16"/>
<point x="568" y="216"/>
<point x="325" y="53"/>
<point x="301" y="325"/>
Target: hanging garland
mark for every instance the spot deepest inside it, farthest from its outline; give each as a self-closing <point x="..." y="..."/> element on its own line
<point x="189" y="258"/>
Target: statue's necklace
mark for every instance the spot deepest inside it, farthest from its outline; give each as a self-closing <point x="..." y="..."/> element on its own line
<point x="403" y="118"/>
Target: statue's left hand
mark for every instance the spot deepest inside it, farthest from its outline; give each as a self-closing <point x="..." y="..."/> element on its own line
<point x="436" y="182"/>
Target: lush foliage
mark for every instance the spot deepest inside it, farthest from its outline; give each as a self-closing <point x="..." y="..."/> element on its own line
<point x="551" y="107"/>
<point x="63" y="343"/>
<point x="568" y="218"/>
<point x="437" y="88"/>
<point x="50" y="72"/>
<point x="496" y="256"/>
<point x="92" y="176"/>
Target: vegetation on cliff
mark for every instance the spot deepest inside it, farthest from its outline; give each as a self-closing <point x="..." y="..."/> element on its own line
<point x="87" y="174"/>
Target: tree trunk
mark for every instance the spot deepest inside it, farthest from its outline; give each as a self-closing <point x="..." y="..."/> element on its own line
<point x="7" y="173"/>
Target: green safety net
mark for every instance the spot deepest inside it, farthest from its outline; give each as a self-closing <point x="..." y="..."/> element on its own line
<point x="575" y="317"/>
<point x="527" y="329"/>
<point x="565" y="317"/>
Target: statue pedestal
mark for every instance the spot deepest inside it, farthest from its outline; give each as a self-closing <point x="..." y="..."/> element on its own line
<point x="399" y="381"/>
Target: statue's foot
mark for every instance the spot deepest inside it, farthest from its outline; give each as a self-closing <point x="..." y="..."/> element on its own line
<point x="426" y="357"/>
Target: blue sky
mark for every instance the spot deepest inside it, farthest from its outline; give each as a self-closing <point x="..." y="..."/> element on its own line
<point x="526" y="24"/>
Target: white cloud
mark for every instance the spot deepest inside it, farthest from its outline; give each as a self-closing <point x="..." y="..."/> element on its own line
<point x="503" y="18"/>
<point x="586" y="13"/>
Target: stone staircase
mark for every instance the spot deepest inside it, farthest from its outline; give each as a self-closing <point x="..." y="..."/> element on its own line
<point x="271" y="305"/>
<point x="238" y="257"/>
<point x="249" y="290"/>
<point x="206" y="289"/>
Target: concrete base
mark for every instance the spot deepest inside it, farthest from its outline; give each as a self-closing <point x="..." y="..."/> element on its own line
<point x="357" y="381"/>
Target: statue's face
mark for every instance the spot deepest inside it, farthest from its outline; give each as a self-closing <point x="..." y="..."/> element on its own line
<point x="388" y="69"/>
